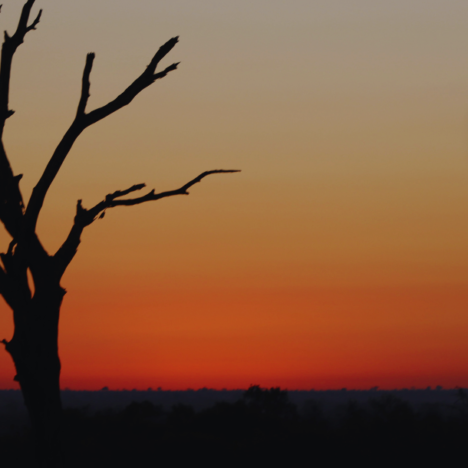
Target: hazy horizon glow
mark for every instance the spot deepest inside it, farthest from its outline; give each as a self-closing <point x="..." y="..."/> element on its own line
<point x="337" y="258"/>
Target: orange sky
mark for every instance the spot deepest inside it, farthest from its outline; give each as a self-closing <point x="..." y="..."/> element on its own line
<point x="338" y="257"/>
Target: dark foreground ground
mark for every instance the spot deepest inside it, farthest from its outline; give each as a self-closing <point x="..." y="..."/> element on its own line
<point x="262" y="428"/>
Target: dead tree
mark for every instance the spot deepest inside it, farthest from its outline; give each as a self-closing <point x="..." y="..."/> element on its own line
<point x="36" y="316"/>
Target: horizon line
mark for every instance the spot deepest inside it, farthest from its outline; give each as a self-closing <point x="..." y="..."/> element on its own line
<point x="436" y="388"/>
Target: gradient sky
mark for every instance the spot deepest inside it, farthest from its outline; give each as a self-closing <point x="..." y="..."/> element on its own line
<point x="338" y="257"/>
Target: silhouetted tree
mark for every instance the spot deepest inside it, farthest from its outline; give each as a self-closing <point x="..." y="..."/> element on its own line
<point x="36" y="315"/>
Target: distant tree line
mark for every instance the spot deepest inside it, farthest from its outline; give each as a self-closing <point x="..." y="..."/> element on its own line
<point x="263" y="428"/>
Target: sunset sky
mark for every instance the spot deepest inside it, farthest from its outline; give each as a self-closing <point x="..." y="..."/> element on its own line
<point x="338" y="257"/>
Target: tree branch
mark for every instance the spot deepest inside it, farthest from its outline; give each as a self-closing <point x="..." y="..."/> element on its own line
<point x="111" y="202"/>
<point x="85" y="217"/>
<point x="10" y="44"/>
<point x="147" y="78"/>
<point x="11" y="202"/>
<point x="35" y="22"/>
<point x="85" y="85"/>
<point x="83" y="120"/>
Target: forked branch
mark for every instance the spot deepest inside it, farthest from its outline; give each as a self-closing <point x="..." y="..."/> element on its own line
<point x="147" y="78"/>
<point x="85" y="217"/>
<point x="84" y="120"/>
<point x="111" y="200"/>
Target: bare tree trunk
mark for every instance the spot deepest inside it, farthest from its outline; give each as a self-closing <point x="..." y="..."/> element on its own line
<point x="34" y="350"/>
